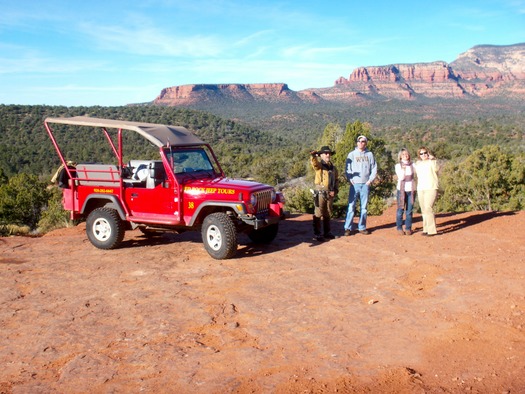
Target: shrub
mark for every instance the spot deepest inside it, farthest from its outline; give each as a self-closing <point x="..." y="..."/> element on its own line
<point x="53" y="215"/>
<point x="299" y="199"/>
<point x="7" y="230"/>
<point x="22" y="199"/>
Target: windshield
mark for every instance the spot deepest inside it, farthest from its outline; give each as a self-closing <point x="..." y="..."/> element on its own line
<point x="189" y="160"/>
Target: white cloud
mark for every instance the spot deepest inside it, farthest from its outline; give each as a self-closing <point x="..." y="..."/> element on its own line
<point x="307" y="52"/>
<point x="151" y="41"/>
<point x="518" y="6"/>
<point x="251" y="38"/>
<point x="36" y="64"/>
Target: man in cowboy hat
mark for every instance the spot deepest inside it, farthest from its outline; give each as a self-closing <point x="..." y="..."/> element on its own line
<point x="326" y="188"/>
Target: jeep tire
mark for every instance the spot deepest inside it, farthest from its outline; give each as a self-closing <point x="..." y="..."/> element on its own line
<point x="104" y="228"/>
<point x="219" y="236"/>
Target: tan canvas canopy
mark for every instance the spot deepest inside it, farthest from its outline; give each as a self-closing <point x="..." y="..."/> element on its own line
<point x="158" y="134"/>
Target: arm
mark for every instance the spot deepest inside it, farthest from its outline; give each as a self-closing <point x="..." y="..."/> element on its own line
<point x="373" y="170"/>
<point x="336" y="186"/>
<point x="315" y="163"/>
<point x="399" y="171"/>
<point x="348" y="168"/>
<point x="434" y="164"/>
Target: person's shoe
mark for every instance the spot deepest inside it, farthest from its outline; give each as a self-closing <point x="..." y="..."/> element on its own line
<point x="408" y="232"/>
<point x="424" y="234"/>
<point x="319" y="238"/>
<point x="364" y="232"/>
<point x="329" y="236"/>
<point x="348" y="233"/>
<point x="400" y="232"/>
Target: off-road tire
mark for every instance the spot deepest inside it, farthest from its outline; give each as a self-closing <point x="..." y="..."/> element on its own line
<point x="104" y="228"/>
<point x="264" y="235"/>
<point x="219" y="236"/>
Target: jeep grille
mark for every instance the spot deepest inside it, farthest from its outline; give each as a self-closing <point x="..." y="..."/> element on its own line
<point x="264" y="198"/>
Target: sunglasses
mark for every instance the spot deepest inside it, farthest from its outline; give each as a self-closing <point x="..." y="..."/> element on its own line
<point x="423" y="153"/>
<point x="363" y="141"/>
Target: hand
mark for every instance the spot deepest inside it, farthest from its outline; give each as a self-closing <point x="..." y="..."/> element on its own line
<point x="368" y="183"/>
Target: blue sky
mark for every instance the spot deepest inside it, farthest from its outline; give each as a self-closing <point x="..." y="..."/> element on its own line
<point x="111" y="53"/>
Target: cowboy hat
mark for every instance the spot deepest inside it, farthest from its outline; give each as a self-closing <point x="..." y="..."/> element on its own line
<point x="326" y="149"/>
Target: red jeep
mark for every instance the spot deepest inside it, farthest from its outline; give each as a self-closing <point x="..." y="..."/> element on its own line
<point x="185" y="189"/>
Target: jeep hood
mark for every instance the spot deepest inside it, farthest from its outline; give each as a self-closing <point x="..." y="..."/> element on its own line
<point x="228" y="183"/>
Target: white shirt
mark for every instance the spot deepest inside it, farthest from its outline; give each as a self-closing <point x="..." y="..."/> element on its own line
<point x="401" y="173"/>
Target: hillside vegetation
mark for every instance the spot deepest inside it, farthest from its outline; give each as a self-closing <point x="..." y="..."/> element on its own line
<point x="26" y="147"/>
<point x="461" y="125"/>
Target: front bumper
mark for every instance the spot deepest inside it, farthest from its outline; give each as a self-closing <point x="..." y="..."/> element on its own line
<point x="258" y="223"/>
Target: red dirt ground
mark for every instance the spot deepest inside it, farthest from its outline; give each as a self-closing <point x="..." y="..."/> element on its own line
<point x="378" y="313"/>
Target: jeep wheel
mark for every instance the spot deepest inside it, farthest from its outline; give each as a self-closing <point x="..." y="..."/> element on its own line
<point x="104" y="228"/>
<point x="264" y="235"/>
<point x="219" y="236"/>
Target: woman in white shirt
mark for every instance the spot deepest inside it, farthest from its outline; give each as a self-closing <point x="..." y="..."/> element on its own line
<point x="406" y="190"/>
<point x="427" y="187"/>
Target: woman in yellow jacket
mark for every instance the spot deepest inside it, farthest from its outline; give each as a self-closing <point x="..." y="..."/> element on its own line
<point x="427" y="187"/>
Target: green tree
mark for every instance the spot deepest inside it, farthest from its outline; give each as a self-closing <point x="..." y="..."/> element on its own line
<point x="3" y="178"/>
<point x="488" y="179"/>
<point x="53" y="215"/>
<point x="22" y="199"/>
<point x="269" y="170"/>
<point x="517" y="183"/>
<point x="332" y="135"/>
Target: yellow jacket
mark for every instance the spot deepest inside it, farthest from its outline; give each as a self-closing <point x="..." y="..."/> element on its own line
<point x="326" y="175"/>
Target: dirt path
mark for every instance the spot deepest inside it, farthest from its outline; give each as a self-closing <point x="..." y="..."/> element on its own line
<point x="377" y="313"/>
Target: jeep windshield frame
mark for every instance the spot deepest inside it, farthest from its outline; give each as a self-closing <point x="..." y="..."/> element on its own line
<point x="193" y="160"/>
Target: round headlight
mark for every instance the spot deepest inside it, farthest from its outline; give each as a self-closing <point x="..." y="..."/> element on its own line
<point x="253" y="200"/>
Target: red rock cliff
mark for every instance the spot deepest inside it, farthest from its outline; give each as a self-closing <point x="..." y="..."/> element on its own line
<point x="481" y="71"/>
<point x="192" y="94"/>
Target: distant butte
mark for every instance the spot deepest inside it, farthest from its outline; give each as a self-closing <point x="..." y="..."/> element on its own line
<point x="482" y="71"/>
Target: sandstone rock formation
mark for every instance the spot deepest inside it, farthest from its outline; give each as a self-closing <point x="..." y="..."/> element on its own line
<point x="492" y="70"/>
<point x="482" y="71"/>
<point x="203" y="93"/>
<point x="405" y="81"/>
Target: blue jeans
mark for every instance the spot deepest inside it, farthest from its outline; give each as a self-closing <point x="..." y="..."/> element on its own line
<point x="407" y="210"/>
<point x="361" y="190"/>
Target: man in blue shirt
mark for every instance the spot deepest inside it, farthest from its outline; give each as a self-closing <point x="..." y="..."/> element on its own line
<point x="360" y="170"/>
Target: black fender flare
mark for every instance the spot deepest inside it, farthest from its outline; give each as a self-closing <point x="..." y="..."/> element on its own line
<point x="112" y="201"/>
<point x="234" y="206"/>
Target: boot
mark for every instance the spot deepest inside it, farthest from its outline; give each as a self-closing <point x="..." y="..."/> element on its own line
<point x="317" y="228"/>
<point x="326" y="229"/>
